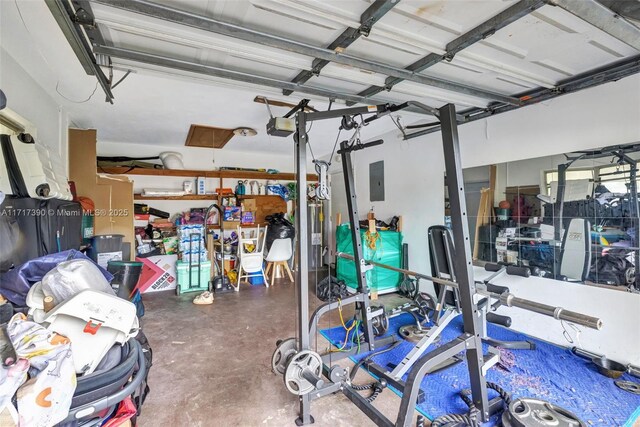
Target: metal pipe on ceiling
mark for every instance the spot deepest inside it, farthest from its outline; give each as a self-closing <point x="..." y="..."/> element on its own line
<point x="193" y="20"/>
<point x="476" y="34"/>
<point x="210" y="70"/>
<point x="603" y="18"/>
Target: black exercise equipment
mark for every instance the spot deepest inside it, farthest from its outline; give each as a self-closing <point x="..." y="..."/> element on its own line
<point x="311" y="376"/>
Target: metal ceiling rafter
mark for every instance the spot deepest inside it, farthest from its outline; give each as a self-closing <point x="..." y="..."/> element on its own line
<point x="606" y="74"/>
<point x="205" y="23"/>
<point x="241" y="76"/>
<point x="64" y="15"/>
<point x="369" y="17"/>
<point x="600" y="16"/>
<point x="480" y="32"/>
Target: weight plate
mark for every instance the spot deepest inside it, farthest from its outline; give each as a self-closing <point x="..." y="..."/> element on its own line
<point x="304" y="360"/>
<point x="413" y="334"/>
<point x="284" y="351"/>
<point x="629" y="386"/>
<point x="529" y="412"/>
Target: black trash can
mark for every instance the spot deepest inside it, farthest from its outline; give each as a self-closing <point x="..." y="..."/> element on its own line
<point x="125" y="277"/>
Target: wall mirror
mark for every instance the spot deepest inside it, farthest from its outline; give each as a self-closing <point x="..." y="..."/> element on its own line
<point x="571" y="217"/>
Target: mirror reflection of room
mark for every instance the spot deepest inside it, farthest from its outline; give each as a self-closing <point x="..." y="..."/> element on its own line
<point x="571" y="217"/>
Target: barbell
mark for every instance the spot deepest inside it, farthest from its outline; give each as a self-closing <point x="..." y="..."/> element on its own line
<point x="506" y="298"/>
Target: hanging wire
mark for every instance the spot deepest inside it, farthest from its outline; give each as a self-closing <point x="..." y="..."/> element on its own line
<point x="567" y="335"/>
<point x="77" y="102"/>
<point x="44" y="58"/>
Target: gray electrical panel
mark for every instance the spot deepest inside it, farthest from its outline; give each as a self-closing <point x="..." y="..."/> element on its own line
<point x="376" y="181"/>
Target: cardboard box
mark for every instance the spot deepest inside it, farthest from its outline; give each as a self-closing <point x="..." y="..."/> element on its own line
<point x="249" y="205"/>
<point x="141" y="220"/>
<point x="248" y="218"/>
<point x="501" y="243"/>
<point x="158" y="273"/>
<point x="232" y="213"/>
<point x="111" y="194"/>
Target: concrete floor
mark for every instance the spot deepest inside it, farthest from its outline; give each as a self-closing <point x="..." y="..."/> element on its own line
<point x="212" y="364"/>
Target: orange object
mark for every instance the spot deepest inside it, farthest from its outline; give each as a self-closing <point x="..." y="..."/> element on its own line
<point x="224" y="191"/>
<point x="87" y="204"/>
<point x="41" y="398"/>
<point x="504" y="204"/>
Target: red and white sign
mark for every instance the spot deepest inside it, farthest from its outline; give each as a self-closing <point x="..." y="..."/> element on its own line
<point x="158" y="273"/>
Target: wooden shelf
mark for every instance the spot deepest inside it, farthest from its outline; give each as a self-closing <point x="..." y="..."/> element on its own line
<point x="158" y="172"/>
<point x="212" y="197"/>
<point x="254" y="196"/>
<point x="202" y="173"/>
<point x="263" y="175"/>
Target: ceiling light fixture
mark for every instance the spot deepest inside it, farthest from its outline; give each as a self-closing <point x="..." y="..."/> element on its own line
<point x="245" y="132"/>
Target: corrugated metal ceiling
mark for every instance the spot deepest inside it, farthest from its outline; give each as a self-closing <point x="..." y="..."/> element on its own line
<point x="538" y="50"/>
<point x="535" y="46"/>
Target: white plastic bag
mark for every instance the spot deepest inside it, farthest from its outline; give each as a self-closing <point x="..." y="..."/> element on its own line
<point x="71" y="277"/>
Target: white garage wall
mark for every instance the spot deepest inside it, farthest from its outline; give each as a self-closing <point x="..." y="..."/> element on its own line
<point x="414" y="172"/>
<point x="27" y="98"/>
<point x="618" y="311"/>
<point x="604" y="115"/>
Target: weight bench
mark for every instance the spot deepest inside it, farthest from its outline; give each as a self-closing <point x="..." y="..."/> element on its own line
<point x="447" y="307"/>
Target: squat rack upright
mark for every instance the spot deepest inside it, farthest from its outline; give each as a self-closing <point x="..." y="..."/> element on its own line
<point x="299" y="369"/>
<point x="469" y="341"/>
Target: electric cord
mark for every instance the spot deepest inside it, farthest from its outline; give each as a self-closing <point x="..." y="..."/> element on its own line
<point x="348" y="329"/>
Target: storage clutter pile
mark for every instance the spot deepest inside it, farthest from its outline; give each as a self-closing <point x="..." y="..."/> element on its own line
<point x="73" y="352"/>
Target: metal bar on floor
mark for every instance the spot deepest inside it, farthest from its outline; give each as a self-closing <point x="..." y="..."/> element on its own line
<point x="217" y="26"/>
<point x="480" y="32"/>
<point x="369" y="17"/>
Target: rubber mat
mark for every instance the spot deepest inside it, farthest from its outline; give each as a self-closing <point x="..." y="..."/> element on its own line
<point x="550" y="372"/>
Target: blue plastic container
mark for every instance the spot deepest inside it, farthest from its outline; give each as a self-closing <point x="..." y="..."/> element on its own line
<point x="256" y="279"/>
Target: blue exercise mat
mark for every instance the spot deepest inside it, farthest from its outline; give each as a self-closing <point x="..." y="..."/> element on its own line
<point x="549" y="372"/>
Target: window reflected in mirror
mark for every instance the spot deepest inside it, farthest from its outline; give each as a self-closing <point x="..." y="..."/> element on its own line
<point x="570" y="217"/>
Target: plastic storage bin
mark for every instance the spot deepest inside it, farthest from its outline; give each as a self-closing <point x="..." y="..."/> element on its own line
<point x="198" y="282"/>
<point x="105" y="248"/>
<point x="256" y="279"/>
